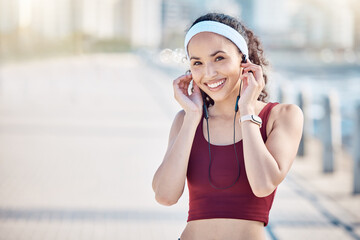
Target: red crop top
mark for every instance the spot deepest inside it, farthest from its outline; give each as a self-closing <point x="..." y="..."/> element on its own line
<point x="238" y="201"/>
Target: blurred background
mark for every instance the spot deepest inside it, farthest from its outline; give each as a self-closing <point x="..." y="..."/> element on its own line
<point x="86" y="104"/>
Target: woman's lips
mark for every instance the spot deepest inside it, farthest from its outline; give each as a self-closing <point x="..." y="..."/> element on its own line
<point x="216" y="85"/>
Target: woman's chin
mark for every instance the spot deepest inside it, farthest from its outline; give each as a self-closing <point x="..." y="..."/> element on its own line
<point x="217" y="97"/>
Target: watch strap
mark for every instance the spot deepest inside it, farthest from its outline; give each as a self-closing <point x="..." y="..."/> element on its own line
<point x="253" y="118"/>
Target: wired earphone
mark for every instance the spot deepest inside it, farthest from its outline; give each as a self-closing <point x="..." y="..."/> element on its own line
<point x="206" y="114"/>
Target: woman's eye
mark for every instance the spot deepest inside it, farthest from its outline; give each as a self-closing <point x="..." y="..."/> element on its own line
<point x="219" y="58"/>
<point x="197" y="63"/>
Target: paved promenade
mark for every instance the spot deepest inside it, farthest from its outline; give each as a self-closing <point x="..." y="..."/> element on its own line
<point x="81" y="138"/>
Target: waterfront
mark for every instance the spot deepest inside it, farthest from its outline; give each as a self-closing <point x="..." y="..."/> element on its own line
<point x="78" y="158"/>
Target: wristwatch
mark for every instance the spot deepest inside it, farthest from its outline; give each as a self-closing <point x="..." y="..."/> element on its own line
<point x="253" y="118"/>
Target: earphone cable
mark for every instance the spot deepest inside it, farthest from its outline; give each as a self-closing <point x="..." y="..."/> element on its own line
<point x="236" y="156"/>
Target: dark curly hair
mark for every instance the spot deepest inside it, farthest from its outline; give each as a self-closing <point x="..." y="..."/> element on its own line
<point x="256" y="52"/>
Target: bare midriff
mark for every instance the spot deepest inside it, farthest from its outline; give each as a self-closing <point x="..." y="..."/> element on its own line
<point x="223" y="228"/>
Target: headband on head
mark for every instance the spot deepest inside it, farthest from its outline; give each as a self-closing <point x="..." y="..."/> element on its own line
<point x="219" y="28"/>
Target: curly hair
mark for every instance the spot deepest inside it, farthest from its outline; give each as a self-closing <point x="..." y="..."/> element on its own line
<point x="256" y="52"/>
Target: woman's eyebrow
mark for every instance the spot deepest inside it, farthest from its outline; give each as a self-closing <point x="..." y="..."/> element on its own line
<point x="219" y="51"/>
<point x="193" y="57"/>
<point x="211" y="55"/>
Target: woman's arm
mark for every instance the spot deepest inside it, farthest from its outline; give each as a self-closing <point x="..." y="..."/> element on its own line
<point x="268" y="163"/>
<point x="169" y="180"/>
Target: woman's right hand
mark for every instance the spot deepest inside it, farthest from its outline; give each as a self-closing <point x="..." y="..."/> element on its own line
<point x="192" y="104"/>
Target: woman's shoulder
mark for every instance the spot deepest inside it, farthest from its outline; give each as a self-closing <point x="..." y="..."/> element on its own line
<point x="286" y="110"/>
<point x="287" y="114"/>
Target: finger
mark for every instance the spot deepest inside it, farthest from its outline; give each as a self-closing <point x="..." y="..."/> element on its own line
<point x="252" y="81"/>
<point x="256" y="71"/>
<point x="248" y="78"/>
<point x="245" y="64"/>
<point x="183" y="78"/>
<point x="184" y="88"/>
<point x="181" y="87"/>
<point x="248" y="63"/>
<point x="244" y="85"/>
<point x="182" y="81"/>
<point x="183" y="84"/>
<point x="252" y="68"/>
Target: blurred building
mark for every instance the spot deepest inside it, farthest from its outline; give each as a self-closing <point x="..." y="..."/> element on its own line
<point x="81" y="25"/>
<point x="47" y="24"/>
<point x="146" y="23"/>
<point x="271" y="16"/>
<point x="324" y="24"/>
<point x="9" y="16"/>
<point x="230" y="7"/>
<point x="175" y="19"/>
<point x="50" y="20"/>
<point x="247" y="12"/>
<point x="137" y="21"/>
<point x="9" y="25"/>
<point x="355" y="6"/>
<point x="97" y="18"/>
<point x="303" y="23"/>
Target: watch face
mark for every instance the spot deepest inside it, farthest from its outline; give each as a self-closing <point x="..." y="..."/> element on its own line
<point x="256" y="119"/>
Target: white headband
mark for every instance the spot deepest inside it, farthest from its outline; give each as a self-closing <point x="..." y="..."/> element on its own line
<point x="219" y="28"/>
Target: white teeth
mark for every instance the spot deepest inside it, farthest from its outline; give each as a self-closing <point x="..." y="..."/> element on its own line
<point x="214" y="85"/>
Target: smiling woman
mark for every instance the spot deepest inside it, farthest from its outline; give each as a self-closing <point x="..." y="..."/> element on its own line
<point x="232" y="181"/>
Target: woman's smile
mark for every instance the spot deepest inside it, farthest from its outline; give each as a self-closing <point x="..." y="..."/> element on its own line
<point x="216" y="85"/>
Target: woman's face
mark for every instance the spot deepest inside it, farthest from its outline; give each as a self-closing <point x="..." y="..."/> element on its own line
<point x="215" y="64"/>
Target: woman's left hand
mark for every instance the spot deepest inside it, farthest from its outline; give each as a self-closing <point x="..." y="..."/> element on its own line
<point x="252" y="84"/>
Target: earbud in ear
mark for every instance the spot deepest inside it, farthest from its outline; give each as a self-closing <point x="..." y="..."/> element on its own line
<point x="243" y="60"/>
<point x="204" y="105"/>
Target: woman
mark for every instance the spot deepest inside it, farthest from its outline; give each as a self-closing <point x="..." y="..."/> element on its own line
<point x="235" y="159"/>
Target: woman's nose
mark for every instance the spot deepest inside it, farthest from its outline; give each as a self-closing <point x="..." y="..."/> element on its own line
<point x="210" y="71"/>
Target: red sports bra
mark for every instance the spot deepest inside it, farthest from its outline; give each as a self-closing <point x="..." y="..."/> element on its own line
<point x="238" y="201"/>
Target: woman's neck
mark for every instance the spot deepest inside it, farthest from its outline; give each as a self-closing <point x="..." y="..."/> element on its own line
<point x="224" y="109"/>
